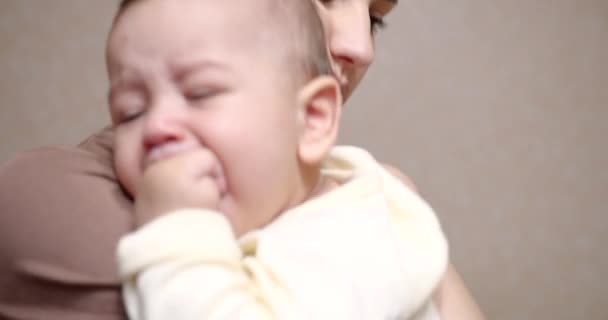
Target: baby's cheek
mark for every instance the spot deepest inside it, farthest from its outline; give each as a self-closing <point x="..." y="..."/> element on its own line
<point x="242" y="204"/>
<point x="127" y="169"/>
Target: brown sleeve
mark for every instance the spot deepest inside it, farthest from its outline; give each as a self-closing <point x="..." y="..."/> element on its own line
<point x="61" y="215"/>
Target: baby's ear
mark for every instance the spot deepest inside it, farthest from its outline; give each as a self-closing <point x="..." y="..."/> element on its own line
<point x="319" y="110"/>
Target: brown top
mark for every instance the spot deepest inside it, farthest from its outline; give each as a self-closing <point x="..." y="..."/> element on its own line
<point x="61" y="215"/>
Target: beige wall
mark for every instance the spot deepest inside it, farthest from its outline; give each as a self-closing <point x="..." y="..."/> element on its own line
<point x="497" y="109"/>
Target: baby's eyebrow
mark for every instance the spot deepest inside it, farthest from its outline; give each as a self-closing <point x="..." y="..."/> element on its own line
<point x="182" y="70"/>
<point x="114" y="86"/>
<point x="111" y="95"/>
<point x="120" y="84"/>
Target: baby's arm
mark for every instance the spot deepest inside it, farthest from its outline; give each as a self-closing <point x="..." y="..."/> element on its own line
<point x="187" y="265"/>
<point x="313" y="265"/>
<point x="310" y="265"/>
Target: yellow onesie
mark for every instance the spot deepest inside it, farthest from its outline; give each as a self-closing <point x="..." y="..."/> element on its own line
<point x="369" y="249"/>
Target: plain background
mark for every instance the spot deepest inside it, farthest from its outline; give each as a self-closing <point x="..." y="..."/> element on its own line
<point x="497" y="109"/>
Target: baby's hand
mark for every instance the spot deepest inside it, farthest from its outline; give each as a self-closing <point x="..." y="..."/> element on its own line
<point x="186" y="180"/>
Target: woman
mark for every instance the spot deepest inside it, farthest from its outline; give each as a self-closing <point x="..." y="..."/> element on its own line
<point x="70" y="204"/>
<point x="351" y="26"/>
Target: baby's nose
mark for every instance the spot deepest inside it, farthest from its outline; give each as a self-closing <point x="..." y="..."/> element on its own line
<point x="164" y="135"/>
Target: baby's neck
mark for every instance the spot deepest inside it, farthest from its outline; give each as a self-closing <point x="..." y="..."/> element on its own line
<point x="324" y="185"/>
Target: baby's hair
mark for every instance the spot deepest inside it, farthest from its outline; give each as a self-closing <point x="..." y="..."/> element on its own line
<point x="298" y="27"/>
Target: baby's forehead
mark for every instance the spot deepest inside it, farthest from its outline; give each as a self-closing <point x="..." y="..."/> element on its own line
<point x="205" y="9"/>
<point x="248" y="27"/>
<point x="247" y="20"/>
<point x="175" y="32"/>
<point x="194" y="18"/>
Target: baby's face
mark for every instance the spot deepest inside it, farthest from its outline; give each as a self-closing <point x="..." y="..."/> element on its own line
<point x="186" y="74"/>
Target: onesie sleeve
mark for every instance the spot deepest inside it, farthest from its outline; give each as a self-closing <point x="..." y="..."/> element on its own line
<point x="188" y="265"/>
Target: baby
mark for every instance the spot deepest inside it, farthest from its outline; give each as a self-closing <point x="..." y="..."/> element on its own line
<point x="226" y="116"/>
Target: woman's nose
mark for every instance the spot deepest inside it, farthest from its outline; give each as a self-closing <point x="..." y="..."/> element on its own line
<point x="350" y="39"/>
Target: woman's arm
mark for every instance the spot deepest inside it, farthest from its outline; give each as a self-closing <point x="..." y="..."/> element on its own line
<point x="452" y="297"/>
<point x="454" y="300"/>
<point x="61" y="215"/>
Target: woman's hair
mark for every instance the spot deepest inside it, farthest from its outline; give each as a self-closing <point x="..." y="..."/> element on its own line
<point x="297" y="28"/>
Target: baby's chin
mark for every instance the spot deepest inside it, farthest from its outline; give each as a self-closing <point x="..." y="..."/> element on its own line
<point x="239" y="220"/>
<point x="228" y="208"/>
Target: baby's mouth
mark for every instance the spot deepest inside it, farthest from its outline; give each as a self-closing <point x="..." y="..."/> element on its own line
<point x="171" y="149"/>
<point x="164" y="151"/>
